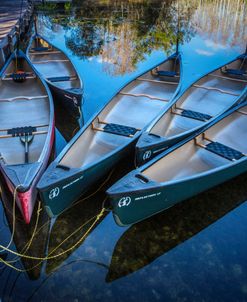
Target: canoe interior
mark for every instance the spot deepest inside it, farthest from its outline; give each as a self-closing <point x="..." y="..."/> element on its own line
<point x="136" y="105"/>
<point x="224" y="93"/>
<point x="191" y="159"/>
<point x="22" y="112"/>
<point x="52" y="63"/>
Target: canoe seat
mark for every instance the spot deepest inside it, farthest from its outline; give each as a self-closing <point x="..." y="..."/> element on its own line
<point x="196" y="115"/>
<point x="41" y="48"/>
<point x="22" y="131"/>
<point x="116" y="129"/>
<point x="59" y="79"/>
<point x="19" y="76"/>
<point x="220" y="149"/>
<point x="191" y="114"/>
<point x="165" y="73"/>
<point x="120" y="129"/>
<point x="224" y="151"/>
<point x="237" y="72"/>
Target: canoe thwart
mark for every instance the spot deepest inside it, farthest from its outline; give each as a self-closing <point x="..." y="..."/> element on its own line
<point x="157" y="81"/>
<point x="227" y="78"/>
<point x="221" y="149"/>
<point x="24" y="97"/>
<point x="116" y="129"/>
<point x="62" y="79"/>
<point x="48" y="61"/>
<point x="216" y="89"/>
<point x="151" y="97"/>
<point x="242" y="112"/>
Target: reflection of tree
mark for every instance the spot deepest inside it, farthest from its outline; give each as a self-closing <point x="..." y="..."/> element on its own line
<point x="223" y="21"/>
<point x="121" y="33"/>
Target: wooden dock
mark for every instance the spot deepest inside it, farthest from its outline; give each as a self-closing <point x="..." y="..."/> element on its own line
<point x="10" y="11"/>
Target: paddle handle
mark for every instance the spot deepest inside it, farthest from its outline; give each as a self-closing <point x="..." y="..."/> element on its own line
<point x="26" y="149"/>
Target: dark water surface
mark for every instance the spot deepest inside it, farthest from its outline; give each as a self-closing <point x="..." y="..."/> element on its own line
<point x="195" y="251"/>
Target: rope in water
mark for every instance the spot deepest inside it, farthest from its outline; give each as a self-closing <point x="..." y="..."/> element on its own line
<point x="49" y="257"/>
<point x="14" y="219"/>
<point x="29" y="243"/>
<point x="35" y="232"/>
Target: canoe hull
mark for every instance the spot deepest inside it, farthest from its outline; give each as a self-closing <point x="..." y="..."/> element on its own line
<point x="71" y="101"/>
<point x="62" y="193"/>
<point x="133" y="206"/>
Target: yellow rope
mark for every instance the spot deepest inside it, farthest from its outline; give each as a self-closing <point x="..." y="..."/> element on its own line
<point x="14" y="218"/>
<point x="62" y="253"/>
<point x="23" y="255"/>
<point x="29" y="243"/>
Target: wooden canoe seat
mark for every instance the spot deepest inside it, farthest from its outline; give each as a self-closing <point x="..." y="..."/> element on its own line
<point x="191" y="114"/>
<point x="221" y="149"/>
<point x="62" y="79"/>
<point x="116" y="129"/>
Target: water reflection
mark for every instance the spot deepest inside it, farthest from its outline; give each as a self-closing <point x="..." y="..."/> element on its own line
<point x="122" y="33"/>
<point x="24" y="241"/>
<point x="67" y="123"/>
<point x="144" y="242"/>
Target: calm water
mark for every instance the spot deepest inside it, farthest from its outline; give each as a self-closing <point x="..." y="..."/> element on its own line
<point x="195" y="251"/>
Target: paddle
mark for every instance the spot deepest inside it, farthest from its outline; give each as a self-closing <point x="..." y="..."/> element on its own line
<point x="26" y="140"/>
<point x="26" y="136"/>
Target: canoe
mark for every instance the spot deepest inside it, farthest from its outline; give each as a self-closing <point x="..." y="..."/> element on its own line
<point x="167" y="230"/>
<point x="58" y="71"/>
<point x="109" y="135"/>
<point x="212" y="157"/>
<point x="203" y="101"/>
<point x="26" y="129"/>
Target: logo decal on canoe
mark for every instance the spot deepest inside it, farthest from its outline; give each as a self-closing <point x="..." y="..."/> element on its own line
<point x="147" y="155"/>
<point x="54" y="193"/>
<point x="124" y="202"/>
